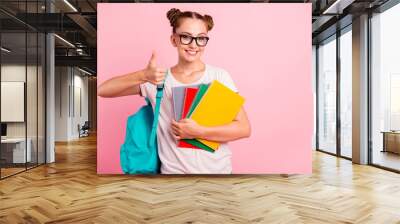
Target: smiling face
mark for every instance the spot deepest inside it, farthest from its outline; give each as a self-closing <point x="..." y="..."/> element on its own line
<point x="189" y="27"/>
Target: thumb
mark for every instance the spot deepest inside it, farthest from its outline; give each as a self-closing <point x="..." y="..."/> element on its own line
<point x="152" y="62"/>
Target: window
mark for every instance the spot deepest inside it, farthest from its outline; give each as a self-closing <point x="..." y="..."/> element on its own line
<point x="346" y="92"/>
<point x="385" y="88"/>
<point x="327" y="95"/>
<point x="23" y="79"/>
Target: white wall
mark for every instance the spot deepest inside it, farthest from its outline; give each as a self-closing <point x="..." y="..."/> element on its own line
<point x="62" y="78"/>
<point x="70" y="83"/>
<point x="80" y="83"/>
<point x="12" y="73"/>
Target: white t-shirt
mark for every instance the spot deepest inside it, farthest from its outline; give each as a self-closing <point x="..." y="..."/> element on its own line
<point x="177" y="160"/>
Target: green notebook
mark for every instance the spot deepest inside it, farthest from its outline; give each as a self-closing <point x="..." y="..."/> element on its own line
<point x="200" y="93"/>
<point x="202" y="90"/>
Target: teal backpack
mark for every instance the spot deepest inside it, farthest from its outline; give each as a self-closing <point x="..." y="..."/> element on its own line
<point x="139" y="153"/>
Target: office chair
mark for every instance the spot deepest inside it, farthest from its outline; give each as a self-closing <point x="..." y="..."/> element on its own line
<point x="84" y="130"/>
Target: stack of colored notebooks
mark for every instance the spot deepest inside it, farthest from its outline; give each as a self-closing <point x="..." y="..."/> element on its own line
<point x="209" y="105"/>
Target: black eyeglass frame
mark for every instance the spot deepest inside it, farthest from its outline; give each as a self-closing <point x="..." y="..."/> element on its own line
<point x="181" y="35"/>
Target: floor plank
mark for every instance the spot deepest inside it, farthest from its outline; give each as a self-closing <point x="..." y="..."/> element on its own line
<point x="70" y="191"/>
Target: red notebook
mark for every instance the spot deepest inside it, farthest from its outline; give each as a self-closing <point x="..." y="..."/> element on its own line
<point x="190" y="93"/>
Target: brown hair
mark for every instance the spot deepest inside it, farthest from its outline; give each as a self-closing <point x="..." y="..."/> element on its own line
<point x="175" y="15"/>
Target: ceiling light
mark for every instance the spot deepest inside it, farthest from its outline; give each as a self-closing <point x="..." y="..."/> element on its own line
<point x="337" y="7"/>
<point x="64" y="40"/>
<point x="5" y="50"/>
<point x="84" y="71"/>
<point x="326" y="11"/>
<point x="70" y="5"/>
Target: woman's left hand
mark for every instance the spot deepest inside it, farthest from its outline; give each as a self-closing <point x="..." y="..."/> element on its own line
<point x="186" y="129"/>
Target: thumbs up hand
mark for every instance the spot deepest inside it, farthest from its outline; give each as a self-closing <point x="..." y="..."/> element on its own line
<point x="152" y="73"/>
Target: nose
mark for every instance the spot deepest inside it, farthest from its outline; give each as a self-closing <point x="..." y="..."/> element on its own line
<point x="193" y="45"/>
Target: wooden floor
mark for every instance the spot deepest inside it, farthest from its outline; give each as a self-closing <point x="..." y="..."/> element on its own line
<point x="5" y="172"/>
<point x="8" y="171"/>
<point x="387" y="159"/>
<point x="70" y="191"/>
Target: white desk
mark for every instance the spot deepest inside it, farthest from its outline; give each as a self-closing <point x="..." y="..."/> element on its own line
<point x="19" y="149"/>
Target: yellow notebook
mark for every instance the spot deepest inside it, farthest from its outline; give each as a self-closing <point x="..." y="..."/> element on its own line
<point x="218" y="106"/>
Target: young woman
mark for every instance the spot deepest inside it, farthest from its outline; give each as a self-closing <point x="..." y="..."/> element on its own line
<point x="190" y="37"/>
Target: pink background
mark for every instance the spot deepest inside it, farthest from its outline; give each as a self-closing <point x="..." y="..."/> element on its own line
<point x="265" y="47"/>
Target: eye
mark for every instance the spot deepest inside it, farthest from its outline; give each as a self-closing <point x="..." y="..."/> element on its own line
<point x="202" y="38"/>
<point x="185" y="36"/>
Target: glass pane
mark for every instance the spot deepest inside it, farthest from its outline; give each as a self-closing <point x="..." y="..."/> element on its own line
<point x="327" y="96"/>
<point x="346" y="93"/>
<point x="386" y="89"/>
<point x="32" y="84"/>
<point x="314" y="75"/>
<point x="31" y="100"/>
<point x="41" y="98"/>
<point x="13" y="88"/>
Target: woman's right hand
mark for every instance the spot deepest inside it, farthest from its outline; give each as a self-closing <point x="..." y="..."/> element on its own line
<point x="129" y="84"/>
<point x="152" y="73"/>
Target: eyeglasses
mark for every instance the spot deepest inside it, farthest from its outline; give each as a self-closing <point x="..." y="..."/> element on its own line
<point x="185" y="39"/>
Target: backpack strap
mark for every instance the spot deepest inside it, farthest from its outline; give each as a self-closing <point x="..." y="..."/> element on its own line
<point x="159" y="95"/>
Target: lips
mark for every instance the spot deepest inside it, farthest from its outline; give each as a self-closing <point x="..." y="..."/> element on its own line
<point x="191" y="52"/>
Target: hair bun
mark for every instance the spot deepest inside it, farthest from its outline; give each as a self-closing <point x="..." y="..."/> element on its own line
<point x="209" y="20"/>
<point x="172" y="15"/>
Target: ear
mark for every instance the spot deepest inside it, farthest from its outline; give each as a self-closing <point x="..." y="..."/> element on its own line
<point x="172" y="39"/>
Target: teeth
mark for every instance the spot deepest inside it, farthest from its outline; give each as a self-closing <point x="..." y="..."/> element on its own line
<point x="191" y="52"/>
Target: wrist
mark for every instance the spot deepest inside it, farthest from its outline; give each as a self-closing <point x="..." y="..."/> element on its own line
<point x="142" y="76"/>
<point x="203" y="132"/>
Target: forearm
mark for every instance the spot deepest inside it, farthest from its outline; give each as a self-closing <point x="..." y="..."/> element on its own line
<point x="122" y="85"/>
<point x="225" y="133"/>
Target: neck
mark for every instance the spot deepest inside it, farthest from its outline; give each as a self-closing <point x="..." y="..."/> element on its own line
<point x="189" y="67"/>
